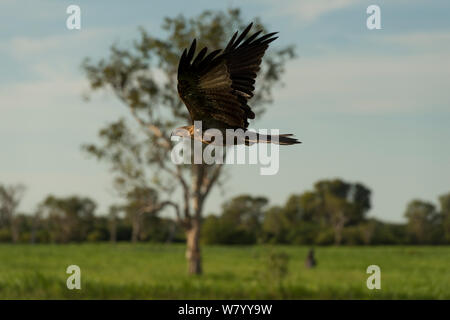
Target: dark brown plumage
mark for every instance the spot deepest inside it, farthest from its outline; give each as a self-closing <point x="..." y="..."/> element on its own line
<point x="216" y="87"/>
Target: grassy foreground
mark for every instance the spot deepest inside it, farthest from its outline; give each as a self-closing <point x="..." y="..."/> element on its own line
<point x="152" y="271"/>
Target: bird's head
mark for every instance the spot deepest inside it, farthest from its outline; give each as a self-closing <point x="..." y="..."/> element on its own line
<point x="184" y="132"/>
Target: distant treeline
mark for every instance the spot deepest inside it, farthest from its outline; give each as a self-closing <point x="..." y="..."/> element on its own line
<point x="334" y="212"/>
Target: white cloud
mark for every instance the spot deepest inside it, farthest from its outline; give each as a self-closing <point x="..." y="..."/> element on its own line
<point x="430" y="41"/>
<point x="307" y="11"/>
<point x="22" y="47"/>
<point x="54" y="80"/>
<point x="40" y="94"/>
<point x="368" y="83"/>
<point x="42" y="125"/>
<point x="47" y="9"/>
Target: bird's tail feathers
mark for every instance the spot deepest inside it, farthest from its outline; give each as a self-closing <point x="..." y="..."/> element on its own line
<point x="282" y="139"/>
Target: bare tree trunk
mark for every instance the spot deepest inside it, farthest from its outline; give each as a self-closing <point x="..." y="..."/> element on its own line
<point x="33" y="235"/>
<point x="339" y="224"/>
<point x="368" y="233"/>
<point x="113" y="217"/>
<point x="135" y="228"/>
<point x="193" y="254"/>
<point x="10" y="197"/>
<point x="337" y="235"/>
<point x="14" y="229"/>
<point x="172" y="229"/>
<point x="113" y="230"/>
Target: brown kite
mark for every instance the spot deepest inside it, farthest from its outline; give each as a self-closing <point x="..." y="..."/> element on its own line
<point x="216" y="87"/>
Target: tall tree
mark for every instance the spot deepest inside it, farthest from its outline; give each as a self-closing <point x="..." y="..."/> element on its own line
<point x="10" y="197"/>
<point x="297" y="221"/>
<point x="69" y="219"/>
<point x="300" y="208"/>
<point x="144" y="79"/>
<point x="113" y="216"/>
<point x="444" y="201"/>
<point x="422" y="220"/>
<point x="341" y="203"/>
<point x="246" y="213"/>
<point x="36" y="224"/>
<point x="140" y="201"/>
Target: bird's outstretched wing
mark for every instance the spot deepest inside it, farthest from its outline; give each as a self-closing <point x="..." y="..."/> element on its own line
<point x="217" y="86"/>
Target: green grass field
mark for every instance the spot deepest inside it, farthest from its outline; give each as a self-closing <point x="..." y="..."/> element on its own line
<point x="151" y="271"/>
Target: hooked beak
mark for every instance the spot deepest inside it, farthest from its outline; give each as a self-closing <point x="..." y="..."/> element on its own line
<point x="180" y="132"/>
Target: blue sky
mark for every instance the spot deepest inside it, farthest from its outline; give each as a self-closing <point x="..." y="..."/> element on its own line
<point x="370" y="106"/>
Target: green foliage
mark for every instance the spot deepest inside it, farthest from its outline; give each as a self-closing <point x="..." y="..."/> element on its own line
<point x="352" y="236"/>
<point x="5" y="235"/>
<point x="240" y="222"/>
<point x="422" y="222"/>
<point x="217" y="230"/>
<point x="68" y="219"/>
<point x="277" y="265"/>
<point x="244" y="219"/>
<point x="444" y="201"/>
<point x="277" y="270"/>
<point x="325" y="237"/>
<point x="96" y="236"/>
<point x="304" y="233"/>
<point x="313" y="218"/>
<point x="124" y="231"/>
<point x="310" y="218"/>
<point x="337" y="196"/>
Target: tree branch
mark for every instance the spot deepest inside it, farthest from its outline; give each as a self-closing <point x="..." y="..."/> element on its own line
<point x="209" y="182"/>
<point x="152" y="128"/>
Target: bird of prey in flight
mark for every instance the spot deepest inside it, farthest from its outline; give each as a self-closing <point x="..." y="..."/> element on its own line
<point x="216" y="87"/>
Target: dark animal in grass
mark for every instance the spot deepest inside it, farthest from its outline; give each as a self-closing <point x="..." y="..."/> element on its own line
<point x="310" y="260"/>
